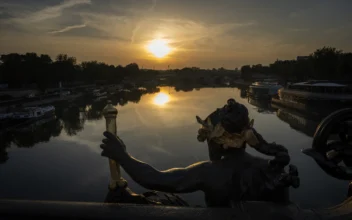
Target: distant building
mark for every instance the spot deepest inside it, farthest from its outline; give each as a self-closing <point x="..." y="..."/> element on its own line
<point x="302" y="57"/>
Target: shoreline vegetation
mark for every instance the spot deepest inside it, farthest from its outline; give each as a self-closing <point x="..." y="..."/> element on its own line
<point x="32" y="71"/>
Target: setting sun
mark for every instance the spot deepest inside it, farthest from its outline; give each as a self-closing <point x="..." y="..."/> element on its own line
<point x="159" y="48"/>
<point x="161" y="99"/>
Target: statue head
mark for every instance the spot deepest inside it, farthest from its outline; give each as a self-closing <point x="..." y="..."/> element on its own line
<point x="235" y="117"/>
<point x="225" y="124"/>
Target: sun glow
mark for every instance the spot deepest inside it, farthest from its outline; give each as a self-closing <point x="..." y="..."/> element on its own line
<point x="161" y="99"/>
<point x="159" y="48"/>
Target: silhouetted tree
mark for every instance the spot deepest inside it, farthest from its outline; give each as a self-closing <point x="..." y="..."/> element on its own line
<point x="326" y="61"/>
<point x="246" y="72"/>
<point x="132" y="69"/>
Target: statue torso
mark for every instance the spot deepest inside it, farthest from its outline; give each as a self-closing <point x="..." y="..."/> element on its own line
<point x="238" y="176"/>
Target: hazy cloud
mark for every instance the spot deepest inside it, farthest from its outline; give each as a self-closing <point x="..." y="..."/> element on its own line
<point x="68" y="28"/>
<point x="138" y="26"/>
<point x="27" y="18"/>
<point x="108" y="26"/>
<point x="54" y="11"/>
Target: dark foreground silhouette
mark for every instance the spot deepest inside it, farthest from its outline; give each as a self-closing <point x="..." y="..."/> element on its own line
<point x="231" y="175"/>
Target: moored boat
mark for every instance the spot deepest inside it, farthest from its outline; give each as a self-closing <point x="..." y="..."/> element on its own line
<point x="100" y="98"/>
<point x="98" y="93"/>
<point x="315" y="94"/>
<point x="5" y="116"/>
<point x="263" y="90"/>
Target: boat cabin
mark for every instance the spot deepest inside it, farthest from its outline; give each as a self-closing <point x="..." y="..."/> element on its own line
<point x="321" y="87"/>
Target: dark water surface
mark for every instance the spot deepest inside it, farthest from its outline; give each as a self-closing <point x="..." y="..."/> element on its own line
<point x="59" y="159"/>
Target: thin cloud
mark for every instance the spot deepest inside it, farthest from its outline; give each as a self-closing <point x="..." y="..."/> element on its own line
<point x="68" y="28"/>
<point x="187" y="34"/>
<point x="139" y="24"/>
<point x="53" y="11"/>
<point x="109" y="26"/>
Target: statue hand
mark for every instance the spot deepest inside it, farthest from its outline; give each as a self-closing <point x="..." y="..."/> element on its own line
<point x="113" y="147"/>
<point x="203" y="134"/>
<point x="282" y="159"/>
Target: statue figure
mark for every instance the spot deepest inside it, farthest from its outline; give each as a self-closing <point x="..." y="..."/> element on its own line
<point x="225" y="180"/>
<point x="230" y="128"/>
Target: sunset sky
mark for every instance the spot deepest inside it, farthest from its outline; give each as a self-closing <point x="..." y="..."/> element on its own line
<point x="203" y="33"/>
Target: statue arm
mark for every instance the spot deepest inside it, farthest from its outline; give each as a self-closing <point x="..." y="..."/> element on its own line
<point x="175" y="180"/>
<point x="280" y="153"/>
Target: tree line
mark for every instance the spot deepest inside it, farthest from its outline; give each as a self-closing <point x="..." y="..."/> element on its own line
<point x="24" y="69"/>
<point x="18" y="70"/>
<point x="326" y="63"/>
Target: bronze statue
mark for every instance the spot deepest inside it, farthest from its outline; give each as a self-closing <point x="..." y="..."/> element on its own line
<point x="229" y="127"/>
<point x="226" y="180"/>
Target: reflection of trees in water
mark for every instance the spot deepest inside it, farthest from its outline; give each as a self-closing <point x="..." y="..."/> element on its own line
<point x="121" y="102"/>
<point x="73" y="120"/>
<point x="132" y="96"/>
<point x="243" y="93"/>
<point x="29" y="135"/>
<point x="184" y="88"/>
<point x="5" y="142"/>
<point x="122" y="98"/>
<point x="70" y="116"/>
<point x="3" y="155"/>
<point x="95" y="110"/>
<point x="74" y="115"/>
<point x="151" y="90"/>
<point x="40" y="131"/>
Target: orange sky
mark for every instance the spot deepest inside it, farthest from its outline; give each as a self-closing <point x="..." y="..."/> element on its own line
<point x="201" y="33"/>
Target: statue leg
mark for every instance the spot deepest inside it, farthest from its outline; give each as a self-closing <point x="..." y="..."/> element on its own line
<point x="258" y="184"/>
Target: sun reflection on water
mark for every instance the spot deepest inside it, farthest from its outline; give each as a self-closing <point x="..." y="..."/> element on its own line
<point x="161" y="99"/>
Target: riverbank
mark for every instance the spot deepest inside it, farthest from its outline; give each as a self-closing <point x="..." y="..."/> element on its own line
<point x="240" y="83"/>
<point x="46" y="101"/>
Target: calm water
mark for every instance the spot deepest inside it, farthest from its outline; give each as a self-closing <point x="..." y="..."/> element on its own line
<point x="60" y="158"/>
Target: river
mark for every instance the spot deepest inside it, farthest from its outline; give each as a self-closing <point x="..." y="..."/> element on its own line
<point x="59" y="159"/>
